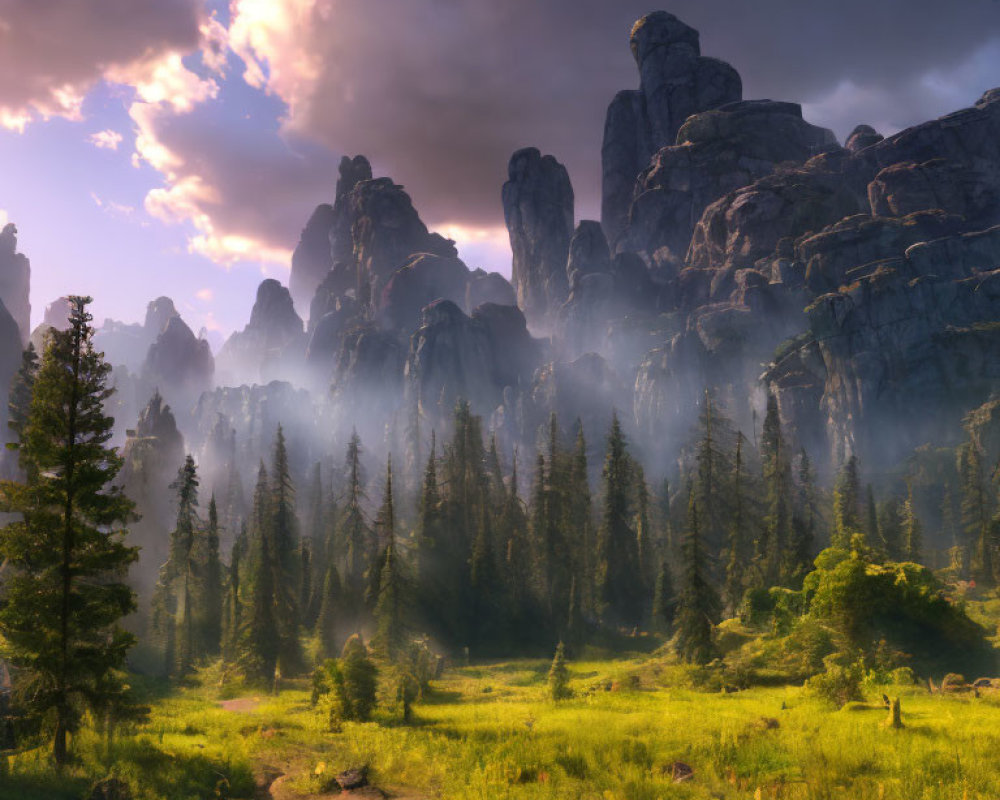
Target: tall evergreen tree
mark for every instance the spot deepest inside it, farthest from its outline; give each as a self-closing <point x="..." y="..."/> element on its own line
<point x="617" y="568"/>
<point x="212" y="590"/>
<point x="741" y="535"/>
<point x="975" y="511"/>
<point x="872" y="533"/>
<point x="64" y="592"/>
<point x="664" y="601"/>
<point x="355" y="536"/>
<point x="176" y="591"/>
<point x="891" y="529"/>
<point x="912" y="533"/>
<point x="287" y="560"/>
<point x="712" y="487"/>
<point x="328" y="622"/>
<point x="21" y="390"/>
<point x="847" y="504"/>
<point x="581" y="537"/>
<point x="805" y="521"/>
<point x="698" y="604"/>
<point x="777" y="486"/>
<point x="232" y="609"/>
<point x="389" y="640"/>
<point x="259" y="637"/>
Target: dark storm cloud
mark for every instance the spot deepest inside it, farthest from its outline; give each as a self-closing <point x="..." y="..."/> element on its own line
<point x="440" y="92"/>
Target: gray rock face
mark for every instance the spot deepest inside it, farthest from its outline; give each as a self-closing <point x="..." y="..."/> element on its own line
<point x="489" y="287"/>
<point x="538" y="210"/>
<point x="423" y="279"/>
<point x="676" y="81"/>
<point x="861" y="137"/>
<point x="453" y="356"/>
<point x="15" y="281"/>
<point x="272" y="344"/>
<point x="717" y="152"/>
<point x="385" y="231"/>
<point x="312" y="259"/>
<point x="969" y="190"/>
<point x="179" y="362"/>
<point x="326" y="238"/>
<point x="588" y="253"/>
<point x="898" y="357"/>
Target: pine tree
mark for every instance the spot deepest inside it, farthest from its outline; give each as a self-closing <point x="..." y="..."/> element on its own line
<point x="975" y="511"/>
<point x="259" y="638"/>
<point x="740" y="535"/>
<point x="389" y="640"/>
<point x="176" y="591"/>
<point x="805" y="516"/>
<point x="211" y="589"/>
<point x="360" y="678"/>
<point x="872" y="533"/>
<point x="328" y="622"/>
<point x="355" y="536"/>
<point x="315" y="540"/>
<point x="714" y="470"/>
<point x="617" y="568"/>
<point x="232" y="609"/>
<point x="911" y="529"/>
<point x="581" y="536"/>
<point x="698" y="605"/>
<point x="645" y="549"/>
<point x="891" y="529"/>
<point x="428" y="539"/>
<point x="664" y="602"/>
<point x="21" y="390"/>
<point x="64" y="593"/>
<point x="777" y="486"/>
<point x="282" y="529"/>
<point x="847" y="504"/>
<point x="559" y="676"/>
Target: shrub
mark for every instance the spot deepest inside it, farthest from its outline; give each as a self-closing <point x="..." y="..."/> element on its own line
<point x="840" y="683"/>
<point x="559" y="676"/>
<point x="345" y="688"/>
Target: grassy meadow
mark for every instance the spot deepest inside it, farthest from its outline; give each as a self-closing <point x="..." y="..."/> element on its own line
<point x="490" y="731"/>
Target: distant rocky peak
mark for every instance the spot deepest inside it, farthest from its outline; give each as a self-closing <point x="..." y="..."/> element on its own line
<point x="8" y="239"/>
<point x="352" y="172"/>
<point x="661" y="29"/>
<point x="159" y="312"/>
<point x="274" y="310"/>
<point x="156" y="419"/>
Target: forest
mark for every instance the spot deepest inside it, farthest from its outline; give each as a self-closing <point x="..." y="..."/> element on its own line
<point x="368" y="602"/>
<point x="699" y="499"/>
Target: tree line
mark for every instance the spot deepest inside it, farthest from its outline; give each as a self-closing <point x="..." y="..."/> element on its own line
<point x="474" y="567"/>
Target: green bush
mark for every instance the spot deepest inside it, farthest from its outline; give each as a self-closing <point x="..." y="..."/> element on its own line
<point x="840" y="683"/>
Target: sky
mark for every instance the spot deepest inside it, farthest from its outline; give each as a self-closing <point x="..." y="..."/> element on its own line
<point x="177" y="147"/>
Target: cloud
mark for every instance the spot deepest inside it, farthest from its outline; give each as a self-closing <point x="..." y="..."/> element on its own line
<point x="106" y="139"/>
<point x="245" y="125"/>
<point x="53" y="53"/>
<point x="205" y="295"/>
<point x="438" y="93"/>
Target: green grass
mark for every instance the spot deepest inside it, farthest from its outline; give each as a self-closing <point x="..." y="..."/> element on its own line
<point x="490" y="732"/>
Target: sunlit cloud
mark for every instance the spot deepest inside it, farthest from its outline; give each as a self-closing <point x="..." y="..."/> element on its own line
<point x="106" y="139"/>
<point x="205" y="295"/>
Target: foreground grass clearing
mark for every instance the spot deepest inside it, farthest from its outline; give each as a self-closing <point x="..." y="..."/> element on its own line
<point x="490" y="732"/>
